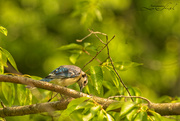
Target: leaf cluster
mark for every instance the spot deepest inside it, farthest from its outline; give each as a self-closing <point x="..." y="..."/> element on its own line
<point x="85" y="108"/>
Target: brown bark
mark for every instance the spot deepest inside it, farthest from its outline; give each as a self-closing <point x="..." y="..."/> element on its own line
<point x="161" y="108"/>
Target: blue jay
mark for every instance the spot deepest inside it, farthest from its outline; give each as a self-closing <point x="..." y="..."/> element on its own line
<point x="66" y="75"/>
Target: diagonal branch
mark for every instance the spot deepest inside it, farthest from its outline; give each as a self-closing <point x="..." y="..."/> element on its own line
<point x="35" y="108"/>
<point x="106" y="45"/>
<point x="48" y="86"/>
<point x="116" y="70"/>
<point x="97" y="53"/>
<point x="161" y="108"/>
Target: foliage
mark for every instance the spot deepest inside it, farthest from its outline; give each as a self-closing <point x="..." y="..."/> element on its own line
<point x="145" y="52"/>
<point x="85" y="108"/>
<point x="3" y="30"/>
<point x="5" y="55"/>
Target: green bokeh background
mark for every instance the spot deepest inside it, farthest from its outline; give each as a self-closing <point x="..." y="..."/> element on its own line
<point x="144" y="34"/>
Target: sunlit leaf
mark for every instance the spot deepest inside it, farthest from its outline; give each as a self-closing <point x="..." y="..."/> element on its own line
<point x="8" y="90"/>
<point x="135" y="92"/>
<point x="35" y="77"/>
<point x="101" y="115"/>
<point x="87" y="44"/>
<point x="109" y="117"/>
<point x="71" y="107"/>
<point x="114" y="105"/>
<point x="131" y="114"/>
<point x="156" y="115"/>
<point x="21" y="93"/>
<point x="73" y="58"/>
<point x="87" y="117"/>
<point x="70" y="47"/>
<point x="9" y="57"/>
<point x="91" y="48"/>
<point x="124" y="65"/>
<point x="97" y="77"/>
<point x="88" y="10"/>
<point x="3" y="30"/>
<point x="24" y="95"/>
<point x="1" y="69"/>
<point x="126" y="108"/>
<point x="2" y="119"/>
<point x="165" y="99"/>
<point x="77" y="101"/>
<point x="98" y="14"/>
<point x="141" y="116"/>
<point x="3" y="61"/>
<point x="86" y="104"/>
<point x="93" y="112"/>
<point x="115" y="79"/>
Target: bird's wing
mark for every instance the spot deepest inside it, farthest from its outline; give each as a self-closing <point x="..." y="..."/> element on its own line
<point x="66" y="71"/>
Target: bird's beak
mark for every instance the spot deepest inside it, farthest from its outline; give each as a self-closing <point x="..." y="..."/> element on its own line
<point x="81" y="87"/>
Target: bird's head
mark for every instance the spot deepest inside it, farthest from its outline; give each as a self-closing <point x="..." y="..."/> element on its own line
<point x="83" y="80"/>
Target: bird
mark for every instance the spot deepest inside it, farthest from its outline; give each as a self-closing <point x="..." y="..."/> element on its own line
<point x="66" y="75"/>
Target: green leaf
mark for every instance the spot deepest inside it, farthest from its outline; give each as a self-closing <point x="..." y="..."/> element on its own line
<point x="126" y="108"/>
<point x="115" y="79"/>
<point x="93" y="111"/>
<point x="71" y="107"/>
<point x="1" y="69"/>
<point x="114" y="105"/>
<point x="73" y="58"/>
<point x="24" y="95"/>
<point x="35" y="77"/>
<point x="100" y="115"/>
<point x="8" y="92"/>
<point x="2" y="119"/>
<point x="132" y="114"/>
<point x="156" y="115"/>
<point x="3" y="30"/>
<point x="21" y="94"/>
<point x="86" y="104"/>
<point x="124" y="65"/>
<point x="3" y="61"/>
<point x="97" y="77"/>
<point x="90" y="48"/>
<point x="109" y="117"/>
<point x="141" y="116"/>
<point x="135" y="92"/>
<point x="71" y="46"/>
<point x="87" y="44"/>
<point x="99" y="15"/>
<point x="77" y="101"/>
<point x="9" y="57"/>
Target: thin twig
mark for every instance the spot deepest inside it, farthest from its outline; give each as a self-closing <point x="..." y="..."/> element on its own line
<point x="52" y="97"/>
<point x="91" y="55"/>
<point x="92" y="32"/>
<point x="3" y="105"/>
<point x="97" y="53"/>
<point x="104" y="61"/>
<point x="95" y="33"/>
<point x="106" y="45"/>
<point x="116" y="70"/>
<point x="119" y="96"/>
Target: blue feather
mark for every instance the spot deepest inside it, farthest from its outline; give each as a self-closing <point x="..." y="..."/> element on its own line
<point x="46" y="79"/>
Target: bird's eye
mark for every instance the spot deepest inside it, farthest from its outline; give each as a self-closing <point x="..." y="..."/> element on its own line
<point x="84" y="82"/>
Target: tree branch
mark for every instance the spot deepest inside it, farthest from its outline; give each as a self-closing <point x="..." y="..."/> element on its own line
<point x="161" y="108"/>
<point x="35" y="108"/>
